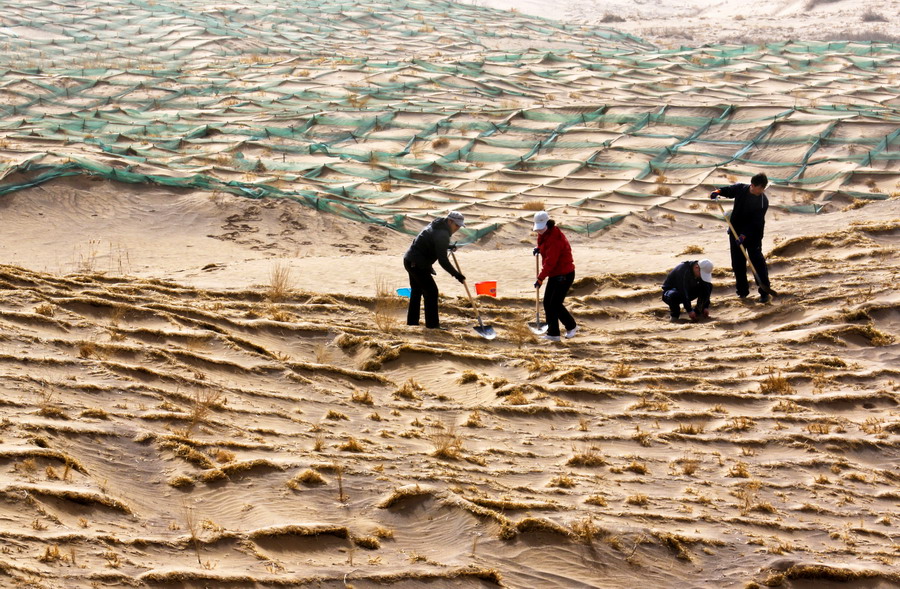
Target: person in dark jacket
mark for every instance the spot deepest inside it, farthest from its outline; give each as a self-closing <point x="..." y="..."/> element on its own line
<point x="430" y="245"/>
<point x="688" y="281"/>
<point x="748" y="217"/>
<point x="559" y="271"/>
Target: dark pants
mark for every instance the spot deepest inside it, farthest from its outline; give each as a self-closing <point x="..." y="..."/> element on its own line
<point x="674" y="299"/>
<point x="422" y="286"/>
<point x="554" y="297"/>
<point x="739" y="265"/>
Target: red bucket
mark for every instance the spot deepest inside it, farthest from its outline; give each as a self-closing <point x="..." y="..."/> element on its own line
<point x="488" y="288"/>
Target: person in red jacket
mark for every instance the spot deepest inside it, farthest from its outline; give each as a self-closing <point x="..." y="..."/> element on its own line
<point x="559" y="271"/>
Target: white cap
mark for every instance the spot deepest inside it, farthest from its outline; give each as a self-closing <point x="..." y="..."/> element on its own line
<point x="540" y="220"/>
<point x="705" y="270"/>
<point x="457" y="218"/>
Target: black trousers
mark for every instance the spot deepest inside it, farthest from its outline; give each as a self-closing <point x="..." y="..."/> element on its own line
<point x="739" y="265"/>
<point x="675" y="300"/>
<point x="554" y="297"/>
<point x="422" y="287"/>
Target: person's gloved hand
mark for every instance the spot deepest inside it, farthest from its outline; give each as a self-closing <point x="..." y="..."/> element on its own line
<point x="452" y="247"/>
<point x="741" y="238"/>
<point x="693" y="315"/>
<point x="460" y="277"/>
<point x="714" y="194"/>
<point x="536" y="251"/>
<point x="537" y="283"/>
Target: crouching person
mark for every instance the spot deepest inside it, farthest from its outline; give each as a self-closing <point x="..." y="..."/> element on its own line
<point x="686" y="282"/>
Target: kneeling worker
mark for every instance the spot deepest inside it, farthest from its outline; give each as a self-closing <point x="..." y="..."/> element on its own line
<point x="686" y="282"/>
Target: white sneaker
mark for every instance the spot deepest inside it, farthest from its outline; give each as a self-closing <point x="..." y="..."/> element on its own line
<point x="550" y="338"/>
<point x="571" y="333"/>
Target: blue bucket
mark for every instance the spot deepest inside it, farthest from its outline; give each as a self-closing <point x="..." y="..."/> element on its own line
<point x="404" y="292"/>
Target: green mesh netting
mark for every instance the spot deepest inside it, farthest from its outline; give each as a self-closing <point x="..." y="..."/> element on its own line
<point x="391" y="112"/>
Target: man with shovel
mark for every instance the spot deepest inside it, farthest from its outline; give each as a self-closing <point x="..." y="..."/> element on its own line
<point x="747" y="223"/>
<point x="559" y="271"/>
<point x="430" y="246"/>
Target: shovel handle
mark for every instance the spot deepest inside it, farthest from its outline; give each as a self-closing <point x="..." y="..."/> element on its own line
<point x="537" y="289"/>
<point x="469" y="294"/>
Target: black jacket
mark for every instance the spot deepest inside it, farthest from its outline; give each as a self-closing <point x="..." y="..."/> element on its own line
<point x="749" y="214"/>
<point x="682" y="279"/>
<point x="430" y="246"/>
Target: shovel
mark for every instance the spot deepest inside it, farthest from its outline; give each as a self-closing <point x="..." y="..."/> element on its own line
<point x="485" y="331"/>
<point x="744" y="250"/>
<point x="537" y="327"/>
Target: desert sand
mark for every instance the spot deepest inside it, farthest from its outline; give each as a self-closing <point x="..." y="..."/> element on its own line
<point x="207" y="377"/>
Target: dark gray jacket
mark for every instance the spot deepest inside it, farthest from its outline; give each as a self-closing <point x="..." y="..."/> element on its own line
<point x="682" y="279"/>
<point x="430" y="246"/>
<point x="749" y="214"/>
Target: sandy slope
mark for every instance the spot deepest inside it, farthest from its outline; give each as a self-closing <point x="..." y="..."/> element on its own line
<point x="314" y="436"/>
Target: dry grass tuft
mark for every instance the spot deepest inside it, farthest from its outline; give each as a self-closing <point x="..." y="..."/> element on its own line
<point x="562" y="481"/>
<point x="739" y="470"/>
<point x="308" y="477"/>
<point x="280" y="282"/>
<point x="691" y="249"/>
<point x="474" y="420"/>
<point x="585" y="530"/>
<point x="519" y="332"/>
<point x="776" y="384"/>
<point x="637" y="467"/>
<point x="620" y="370"/>
<point x="387" y="305"/>
<point x="590" y="456"/>
<point x="640" y="500"/>
<point x="533" y="205"/>
<point x="409" y="390"/>
<point x="203" y="402"/>
<point x="446" y="441"/>
<point x="689" y="429"/>
<point x="517" y="397"/>
<point x="352" y="445"/>
<point x="467" y="376"/>
<point x="362" y="397"/>
<point x="367" y="542"/>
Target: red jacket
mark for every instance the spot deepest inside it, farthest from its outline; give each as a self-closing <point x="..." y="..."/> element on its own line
<point x="557" y="254"/>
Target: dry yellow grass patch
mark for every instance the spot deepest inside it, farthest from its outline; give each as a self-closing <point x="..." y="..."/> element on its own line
<point x="308" y="477"/>
<point x="280" y="282"/>
<point x="446" y="441"/>
<point x="590" y="456"/>
<point x="620" y="370"/>
<point x="776" y="384"/>
<point x="409" y="390"/>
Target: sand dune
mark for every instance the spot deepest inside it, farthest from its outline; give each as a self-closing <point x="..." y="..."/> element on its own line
<point x="207" y="378"/>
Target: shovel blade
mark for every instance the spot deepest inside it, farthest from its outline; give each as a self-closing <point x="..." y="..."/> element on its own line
<point x="486" y="331"/>
<point x="537" y="328"/>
